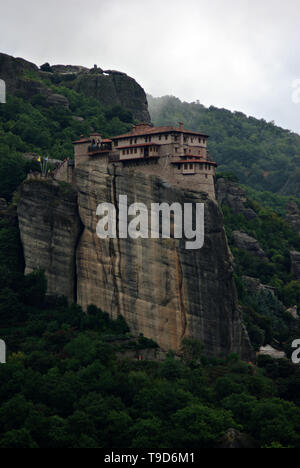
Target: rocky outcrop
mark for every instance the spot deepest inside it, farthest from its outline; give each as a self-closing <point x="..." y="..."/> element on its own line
<point x="68" y="69"/>
<point x="245" y="242"/>
<point x="234" y="439"/>
<point x="295" y="262"/>
<point x="293" y="216"/>
<point x="268" y="350"/>
<point x="115" y="89"/>
<point x="231" y="194"/>
<point x="163" y="290"/>
<point x="110" y="88"/>
<point x="14" y="71"/>
<point x="253" y="286"/>
<point x="3" y="204"/>
<point x="58" y="100"/>
<point x="50" y="227"/>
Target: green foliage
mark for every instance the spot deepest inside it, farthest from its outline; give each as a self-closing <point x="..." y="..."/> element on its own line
<point x="260" y="154"/>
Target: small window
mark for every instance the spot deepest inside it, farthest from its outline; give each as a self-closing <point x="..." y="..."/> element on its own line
<point x="135" y="150"/>
<point x="191" y="166"/>
<point x="150" y="138"/>
<point x="159" y="137"/>
<point x="186" y="166"/>
<point x="131" y="151"/>
<point x="135" y="141"/>
<point x="116" y="143"/>
<point x="166" y="137"/>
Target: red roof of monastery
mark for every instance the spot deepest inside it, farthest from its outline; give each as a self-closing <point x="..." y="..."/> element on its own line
<point x="148" y="130"/>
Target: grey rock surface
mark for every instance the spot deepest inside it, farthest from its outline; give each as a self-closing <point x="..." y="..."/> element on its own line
<point x="231" y="194"/>
<point x="295" y="260"/>
<point x="245" y="242"/>
<point x="163" y="290"/>
<point x="50" y="228"/>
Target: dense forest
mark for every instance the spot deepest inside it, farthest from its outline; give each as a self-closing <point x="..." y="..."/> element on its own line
<point x="67" y="382"/>
<point x="262" y="155"/>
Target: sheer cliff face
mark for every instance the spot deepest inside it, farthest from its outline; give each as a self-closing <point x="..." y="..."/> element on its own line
<point x="50" y="229"/>
<point x="163" y="290"/>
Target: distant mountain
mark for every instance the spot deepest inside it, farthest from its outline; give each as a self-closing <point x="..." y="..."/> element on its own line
<point x="261" y="154"/>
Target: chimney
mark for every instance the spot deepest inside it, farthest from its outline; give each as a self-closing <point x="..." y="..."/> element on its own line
<point x="181" y="126"/>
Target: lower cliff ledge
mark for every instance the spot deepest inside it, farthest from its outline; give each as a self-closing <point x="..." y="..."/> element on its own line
<point x="162" y="290"/>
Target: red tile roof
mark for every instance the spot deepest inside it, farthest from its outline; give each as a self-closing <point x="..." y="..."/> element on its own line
<point x="82" y="140"/>
<point x="156" y="130"/>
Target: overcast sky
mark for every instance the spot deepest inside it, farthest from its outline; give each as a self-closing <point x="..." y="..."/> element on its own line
<point x="239" y="54"/>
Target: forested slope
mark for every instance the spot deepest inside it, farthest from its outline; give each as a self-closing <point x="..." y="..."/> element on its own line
<point x="261" y="154"/>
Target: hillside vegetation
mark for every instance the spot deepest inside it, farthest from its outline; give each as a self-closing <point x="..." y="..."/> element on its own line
<point x="261" y="154"/>
<point x="66" y="383"/>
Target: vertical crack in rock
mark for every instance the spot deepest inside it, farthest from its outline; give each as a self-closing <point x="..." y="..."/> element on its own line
<point x="116" y="253"/>
<point x="180" y="287"/>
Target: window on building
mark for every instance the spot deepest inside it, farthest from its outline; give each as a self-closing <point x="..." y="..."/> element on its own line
<point x="135" y="141"/>
<point x="166" y="137"/>
<point x="116" y="143"/>
<point x="186" y="166"/>
<point x="150" y="138"/>
<point x="131" y="141"/>
<point x="192" y="140"/>
<point x="176" y="138"/>
<point x="191" y="166"/>
<point x="135" y="150"/>
<point x="159" y="137"/>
